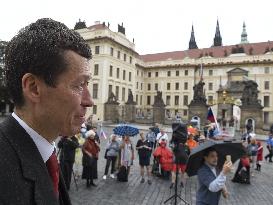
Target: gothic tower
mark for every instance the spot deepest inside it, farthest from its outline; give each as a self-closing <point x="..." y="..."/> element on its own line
<point x="192" y="43"/>
<point x="217" y="37"/>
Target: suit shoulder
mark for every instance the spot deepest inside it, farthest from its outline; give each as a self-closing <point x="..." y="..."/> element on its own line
<point x="202" y="169"/>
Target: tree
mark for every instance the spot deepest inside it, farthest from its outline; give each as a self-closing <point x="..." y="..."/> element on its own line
<point x="4" y="98"/>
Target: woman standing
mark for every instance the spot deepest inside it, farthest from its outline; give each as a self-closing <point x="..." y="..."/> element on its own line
<point x="111" y="154"/>
<point x="259" y="156"/>
<point x="144" y="152"/>
<point x="127" y="153"/>
<point x="252" y="152"/>
<point x="90" y="152"/>
<point x="78" y="157"/>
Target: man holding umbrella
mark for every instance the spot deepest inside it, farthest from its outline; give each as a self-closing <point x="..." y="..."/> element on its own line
<point x="211" y="184"/>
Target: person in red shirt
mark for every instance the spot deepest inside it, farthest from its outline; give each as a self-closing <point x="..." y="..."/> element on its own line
<point x="259" y="156"/>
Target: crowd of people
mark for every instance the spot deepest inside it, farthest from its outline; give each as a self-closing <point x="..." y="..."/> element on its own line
<point x="79" y="155"/>
<point x="158" y="155"/>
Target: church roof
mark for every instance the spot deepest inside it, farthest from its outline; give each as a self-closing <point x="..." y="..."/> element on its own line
<point x="217" y="52"/>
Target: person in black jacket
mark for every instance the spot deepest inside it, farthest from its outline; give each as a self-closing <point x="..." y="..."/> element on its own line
<point x="47" y="70"/>
<point x="67" y="146"/>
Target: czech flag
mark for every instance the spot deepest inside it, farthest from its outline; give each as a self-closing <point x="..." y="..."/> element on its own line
<point x="210" y="116"/>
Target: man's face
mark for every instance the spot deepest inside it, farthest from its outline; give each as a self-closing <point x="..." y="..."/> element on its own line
<point x="212" y="158"/>
<point x="65" y="105"/>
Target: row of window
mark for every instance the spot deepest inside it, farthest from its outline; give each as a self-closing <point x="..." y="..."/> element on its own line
<point x="177" y="73"/>
<point x="168" y="97"/>
<point x="210" y="86"/>
<point x="177" y="86"/>
<point x="186" y="73"/>
<point x="97" y="51"/>
<point x="96" y="72"/>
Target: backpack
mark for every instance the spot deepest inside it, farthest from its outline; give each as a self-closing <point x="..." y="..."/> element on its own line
<point x="122" y="174"/>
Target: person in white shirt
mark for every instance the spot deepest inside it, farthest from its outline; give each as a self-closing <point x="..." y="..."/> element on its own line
<point x="162" y="135"/>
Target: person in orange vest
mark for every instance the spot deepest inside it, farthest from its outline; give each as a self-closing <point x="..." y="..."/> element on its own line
<point x="191" y="142"/>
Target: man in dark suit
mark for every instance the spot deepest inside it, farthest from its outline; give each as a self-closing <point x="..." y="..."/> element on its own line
<point x="47" y="73"/>
<point x="67" y="146"/>
<point x="211" y="182"/>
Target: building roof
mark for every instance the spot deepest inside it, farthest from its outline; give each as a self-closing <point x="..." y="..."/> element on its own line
<point x="98" y="26"/>
<point x="218" y="52"/>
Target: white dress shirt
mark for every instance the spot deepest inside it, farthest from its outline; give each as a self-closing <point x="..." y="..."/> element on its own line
<point x="45" y="148"/>
<point x="219" y="182"/>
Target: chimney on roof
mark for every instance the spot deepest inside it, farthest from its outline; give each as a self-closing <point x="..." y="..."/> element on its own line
<point x="121" y="29"/>
<point x="108" y="25"/>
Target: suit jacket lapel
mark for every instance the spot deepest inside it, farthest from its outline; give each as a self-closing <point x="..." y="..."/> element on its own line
<point x="33" y="166"/>
<point x="210" y="171"/>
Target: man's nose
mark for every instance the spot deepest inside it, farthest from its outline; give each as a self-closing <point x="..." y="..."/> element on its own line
<point x="87" y="100"/>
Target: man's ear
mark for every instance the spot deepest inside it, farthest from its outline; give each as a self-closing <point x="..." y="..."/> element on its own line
<point x="31" y="86"/>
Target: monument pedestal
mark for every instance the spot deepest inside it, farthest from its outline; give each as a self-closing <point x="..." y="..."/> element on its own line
<point x="159" y="115"/>
<point x="198" y="110"/>
<point x="111" y="112"/>
<point x="254" y="113"/>
<point x="130" y="113"/>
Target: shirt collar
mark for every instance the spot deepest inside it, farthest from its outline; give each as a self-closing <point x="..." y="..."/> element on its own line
<point x="212" y="168"/>
<point x="45" y="148"/>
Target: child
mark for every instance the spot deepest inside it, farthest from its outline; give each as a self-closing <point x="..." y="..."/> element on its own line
<point x="259" y="156"/>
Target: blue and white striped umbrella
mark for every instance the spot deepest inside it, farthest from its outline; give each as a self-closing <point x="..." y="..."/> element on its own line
<point x="126" y="130"/>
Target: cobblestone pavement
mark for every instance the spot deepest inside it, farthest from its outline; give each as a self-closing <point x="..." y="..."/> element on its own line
<point x="110" y="191"/>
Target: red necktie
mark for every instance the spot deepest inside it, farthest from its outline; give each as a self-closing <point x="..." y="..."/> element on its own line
<point x="53" y="170"/>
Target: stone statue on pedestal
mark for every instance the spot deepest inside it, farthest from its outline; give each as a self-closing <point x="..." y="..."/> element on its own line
<point x="199" y="94"/>
<point x="130" y="100"/>
<point x="250" y="94"/>
<point x="112" y="99"/>
<point x="159" y="100"/>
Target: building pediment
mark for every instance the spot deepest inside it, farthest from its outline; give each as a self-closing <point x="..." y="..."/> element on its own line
<point x="238" y="70"/>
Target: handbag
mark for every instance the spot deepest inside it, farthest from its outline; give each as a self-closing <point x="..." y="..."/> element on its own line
<point x="122" y="174"/>
<point x="244" y="175"/>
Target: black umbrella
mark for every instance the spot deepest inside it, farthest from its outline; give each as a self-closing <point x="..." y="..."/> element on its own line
<point x="235" y="149"/>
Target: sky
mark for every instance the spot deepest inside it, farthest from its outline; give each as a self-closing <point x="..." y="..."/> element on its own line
<point x="156" y="25"/>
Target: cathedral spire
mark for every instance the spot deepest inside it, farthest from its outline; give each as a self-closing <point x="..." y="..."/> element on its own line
<point x="244" y="35"/>
<point x="192" y="43"/>
<point x="217" y="37"/>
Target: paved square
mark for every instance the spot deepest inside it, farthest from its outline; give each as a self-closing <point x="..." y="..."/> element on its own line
<point x="134" y="193"/>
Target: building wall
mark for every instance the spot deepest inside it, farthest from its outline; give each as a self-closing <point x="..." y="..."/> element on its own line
<point x="143" y="74"/>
